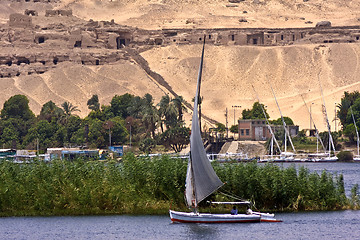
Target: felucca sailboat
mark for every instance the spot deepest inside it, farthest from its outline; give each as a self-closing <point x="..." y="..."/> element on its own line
<point x="202" y="181"/>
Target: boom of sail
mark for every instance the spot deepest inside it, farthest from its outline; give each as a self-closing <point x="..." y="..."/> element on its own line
<point x="201" y="179"/>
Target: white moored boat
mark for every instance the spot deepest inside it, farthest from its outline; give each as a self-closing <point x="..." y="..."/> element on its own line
<point x="202" y="181"/>
<point x="191" y="217"/>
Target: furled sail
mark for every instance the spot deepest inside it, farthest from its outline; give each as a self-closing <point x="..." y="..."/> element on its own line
<point x="201" y="179"/>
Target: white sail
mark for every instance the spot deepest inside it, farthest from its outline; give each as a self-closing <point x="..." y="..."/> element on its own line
<point x="201" y="179"/>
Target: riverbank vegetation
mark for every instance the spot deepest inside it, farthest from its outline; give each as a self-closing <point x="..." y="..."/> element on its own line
<point x="151" y="186"/>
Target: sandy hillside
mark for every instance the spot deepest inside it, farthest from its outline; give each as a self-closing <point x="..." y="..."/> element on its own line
<point x="77" y="83"/>
<point x="228" y="75"/>
<point x="229" y="70"/>
<point x="153" y="14"/>
<point x="292" y="71"/>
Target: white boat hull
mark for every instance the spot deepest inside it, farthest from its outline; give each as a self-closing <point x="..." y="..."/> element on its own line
<point x="191" y="217"/>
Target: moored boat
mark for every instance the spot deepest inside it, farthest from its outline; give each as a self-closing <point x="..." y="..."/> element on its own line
<point x="191" y="217"/>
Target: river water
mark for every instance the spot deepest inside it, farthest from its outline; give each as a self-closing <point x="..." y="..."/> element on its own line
<point x="302" y="225"/>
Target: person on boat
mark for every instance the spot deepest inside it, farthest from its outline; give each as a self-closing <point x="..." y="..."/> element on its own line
<point x="249" y="211"/>
<point x="234" y="211"/>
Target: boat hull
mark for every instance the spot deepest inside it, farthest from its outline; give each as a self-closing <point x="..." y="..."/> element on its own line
<point x="185" y="217"/>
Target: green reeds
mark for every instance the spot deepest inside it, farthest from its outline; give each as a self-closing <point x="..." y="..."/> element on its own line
<point x="151" y="185"/>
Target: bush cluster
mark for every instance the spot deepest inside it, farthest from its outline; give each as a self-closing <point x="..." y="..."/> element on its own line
<point x="151" y="185"/>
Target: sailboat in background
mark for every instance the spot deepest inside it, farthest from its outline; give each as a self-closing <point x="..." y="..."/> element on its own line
<point x="327" y="158"/>
<point x="271" y="157"/>
<point x="202" y="181"/>
<point x="356" y="157"/>
<point x="318" y="156"/>
<point x="285" y="155"/>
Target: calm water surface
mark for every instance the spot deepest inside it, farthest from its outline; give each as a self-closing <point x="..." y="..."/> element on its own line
<point x="314" y="225"/>
<point x="309" y="225"/>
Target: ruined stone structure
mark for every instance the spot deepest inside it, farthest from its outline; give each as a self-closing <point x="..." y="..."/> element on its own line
<point x="17" y="20"/>
<point x="34" y="1"/>
<point x="51" y="13"/>
<point x="103" y="42"/>
<point x="31" y="12"/>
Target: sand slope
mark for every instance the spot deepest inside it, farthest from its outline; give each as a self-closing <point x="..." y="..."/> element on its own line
<point x="153" y="14"/>
<point x="77" y="83"/>
<point x="292" y="71"/>
<point x="229" y="70"/>
<point x="229" y="74"/>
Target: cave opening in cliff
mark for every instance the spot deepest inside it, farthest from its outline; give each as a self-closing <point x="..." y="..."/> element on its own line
<point x="120" y="42"/>
<point x="77" y="44"/>
<point x="97" y="62"/>
<point x="41" y="40"/>
<point x="9" y="63"/>
<point x="55" y="60"/>
<point x="23" y="60"/>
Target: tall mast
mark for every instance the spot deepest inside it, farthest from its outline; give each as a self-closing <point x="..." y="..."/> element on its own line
<point x="331" y="142"/>
<point x="357" y="133"/>
<point x="283" y="121"/>
<point x="316" y="130"/>
<point x="273" y="139"/>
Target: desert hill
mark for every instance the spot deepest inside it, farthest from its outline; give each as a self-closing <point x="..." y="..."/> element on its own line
<point x="230" y="71"/>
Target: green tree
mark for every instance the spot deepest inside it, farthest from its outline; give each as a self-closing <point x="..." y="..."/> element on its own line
<point x="93" y="103"/>
<point x="180" y="106"/>
<point x="147" y="145"/>
<point x="16" y="120"/>
<point x="120" y="105"/>
<point x="46" y="135"/>
<point x="49" y="111"/>
<point x="168" y="111"/>
<point x="98" y="134"/>
<point x="69" y="109"/>
<point x="118" y="130"/>
<point x="350" y="132"/>
<point x="343" y="108"/>
<point x="73" y="124"/>
<point x="256" y="112"/>
<point x="176" y="138"/>
<point x="17" y="107"/>
<point x="10" y="133"/>
<point x="234" y="128"/>
<point x="220" y="127"/>
<point x="287" y="120"/>
<point x="150" y="119"/>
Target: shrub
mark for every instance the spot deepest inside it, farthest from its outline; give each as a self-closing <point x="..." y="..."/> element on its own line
<point x="345" y="156"/>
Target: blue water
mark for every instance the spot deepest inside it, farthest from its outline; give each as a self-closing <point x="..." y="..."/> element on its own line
<point x="313" y="225"/>
<point x="303" y="225"/>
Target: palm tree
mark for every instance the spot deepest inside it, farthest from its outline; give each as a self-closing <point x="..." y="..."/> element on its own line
<point x="93" y="103"/>
<point x="49" y="110"/>
<point x="150" y="119"/>
<point x="180" y="106"/>
<point x="168" y="112"/>
<point x="150" y="115"/>
<point x="163" y="105"/>
<point x="69" y="109"/>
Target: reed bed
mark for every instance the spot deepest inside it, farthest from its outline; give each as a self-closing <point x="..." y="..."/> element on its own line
<point x="150" y="186"/>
